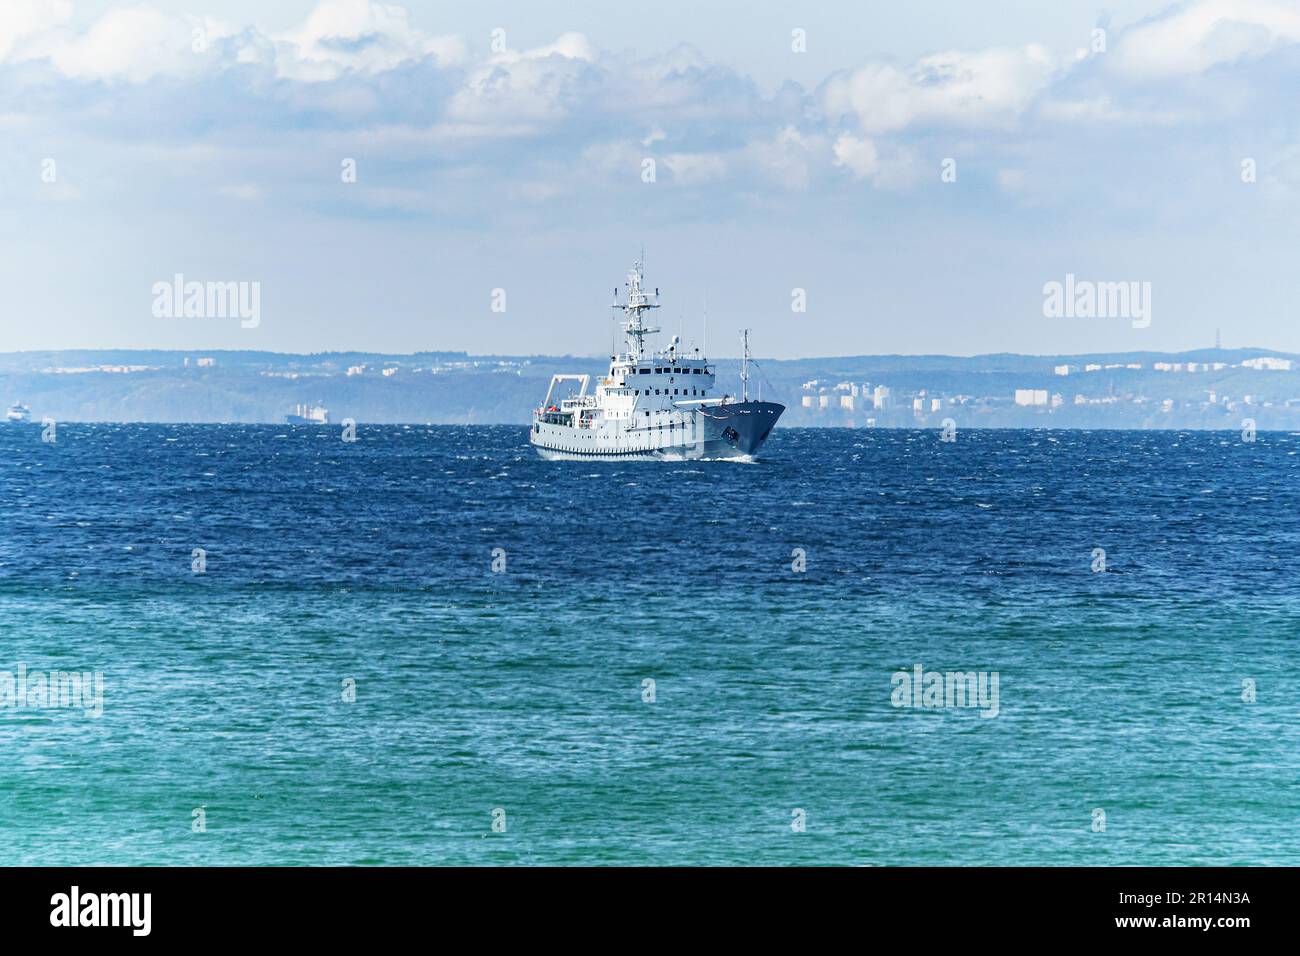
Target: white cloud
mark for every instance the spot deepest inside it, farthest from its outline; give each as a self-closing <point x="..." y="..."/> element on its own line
<point x="895" y="168"/>
<point x="858" y="156"/>
<point x="532" y="85"/>
<point x="359" y="35"/>
<point x="567" y="116"/>
<point x="135" y="43"/>
<point x="988" y="87"/>
<point x="139" y="42"/>
<point x="21" y="19"/>
<point x="789" y="159"/>
<point x="571" y="46"/>
<point x="1205" y="34"/>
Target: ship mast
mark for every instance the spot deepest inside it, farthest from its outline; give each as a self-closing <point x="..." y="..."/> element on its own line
<point x="744" y="365"/>
<point x="638" y="301"/>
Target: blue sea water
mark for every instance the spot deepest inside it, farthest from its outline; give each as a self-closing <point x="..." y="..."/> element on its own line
<point x="524" y="691"/>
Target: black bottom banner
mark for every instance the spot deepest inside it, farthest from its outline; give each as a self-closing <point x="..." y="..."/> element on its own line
<point x="365" y="905"/>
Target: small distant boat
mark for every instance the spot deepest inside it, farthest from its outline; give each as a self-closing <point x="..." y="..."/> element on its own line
<point x="315" y="414"/>
<point x="18" y="412"/>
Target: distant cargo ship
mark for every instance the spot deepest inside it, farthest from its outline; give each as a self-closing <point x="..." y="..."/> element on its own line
<point x="652" y="405"/>
<point x="308" y="415"/>
<point x="18" y="412"/>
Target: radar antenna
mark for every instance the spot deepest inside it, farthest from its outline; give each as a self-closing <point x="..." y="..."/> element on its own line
<point x="744" y="365"/>
<point x="638" y="301"/>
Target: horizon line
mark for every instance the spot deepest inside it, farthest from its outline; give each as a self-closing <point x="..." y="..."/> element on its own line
<point x="600" y="356"/>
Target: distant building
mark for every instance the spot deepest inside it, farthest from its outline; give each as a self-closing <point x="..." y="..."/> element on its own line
<point x="808" y="401"/>
<point x="1092" y="368"/>
<point x="88" y="369"/>
<point x="1031" y="396"/>
<point x="847" y="401"/>
<point x="882" y="398"/>
<point x="1061" y="369"/>
<point x="1268" y="363"/>
<point x="206" y="363"/>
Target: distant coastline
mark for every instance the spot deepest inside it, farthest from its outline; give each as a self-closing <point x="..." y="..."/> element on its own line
<point x="1199" y="389"/>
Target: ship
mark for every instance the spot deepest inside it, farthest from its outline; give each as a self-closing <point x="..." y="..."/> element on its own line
<point x="651" y="404"/>
<point x="308" y="415"/>
<point x="18" y="412"/>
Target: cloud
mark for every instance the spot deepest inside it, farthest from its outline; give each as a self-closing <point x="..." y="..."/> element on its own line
<point x="359" y="35"/>
<point x="137" y="42"/>
<point x="134" y="43"/>
<point x="858" y="156"/>
<point x="533" y="85"/>
<point x="1203" y="35"/>
<point x="22" y="19"/>
<point x="1103" y="109"/>
<point x="989" y="87"/>
<point x="570" y="119"/>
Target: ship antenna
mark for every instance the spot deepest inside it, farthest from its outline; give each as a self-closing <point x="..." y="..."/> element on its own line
<point x="744" y="365"/>
<point x="638" y="301"/>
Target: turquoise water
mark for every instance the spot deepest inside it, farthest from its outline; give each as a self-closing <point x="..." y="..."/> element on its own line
<point x="522" y="691"/>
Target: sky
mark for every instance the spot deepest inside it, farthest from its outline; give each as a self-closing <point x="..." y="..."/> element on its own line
<point x="915" y="175"/>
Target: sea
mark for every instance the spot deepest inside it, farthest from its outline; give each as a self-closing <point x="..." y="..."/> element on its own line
<point x="865" y="648"/>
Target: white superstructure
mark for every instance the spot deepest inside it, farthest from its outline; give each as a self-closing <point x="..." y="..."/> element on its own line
<point x="315" y="414"/>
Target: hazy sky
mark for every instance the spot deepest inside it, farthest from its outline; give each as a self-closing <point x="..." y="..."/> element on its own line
<point x="1170" y="157"/>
